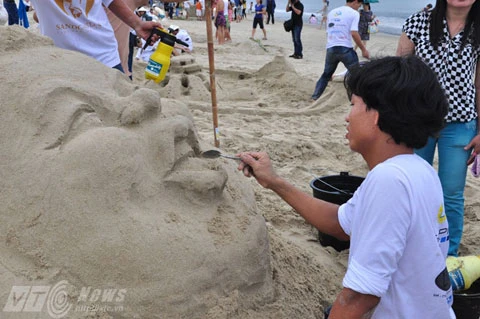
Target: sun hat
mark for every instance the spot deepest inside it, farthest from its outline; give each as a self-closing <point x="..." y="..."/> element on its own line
<point x="174" y="27"/>
<point x="142" y="9"/>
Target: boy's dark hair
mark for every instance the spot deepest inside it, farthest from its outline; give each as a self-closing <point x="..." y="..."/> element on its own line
<point x="407" y="95"/>
<point x="348" y="1"/>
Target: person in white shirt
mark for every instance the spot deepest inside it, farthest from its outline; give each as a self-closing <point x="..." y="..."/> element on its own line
<point x="395" y="221"/>
<point x="187" y="5"/>
<point x="342" y="27"/>
<point x="83" y="26"/>
<point x="181" y="35"/>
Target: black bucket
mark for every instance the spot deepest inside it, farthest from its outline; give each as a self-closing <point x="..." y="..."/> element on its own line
<point x="466" y="304"/>
<point x="336" y="189"/>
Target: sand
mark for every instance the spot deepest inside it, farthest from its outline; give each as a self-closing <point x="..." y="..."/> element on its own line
<point x="96" y="202"/>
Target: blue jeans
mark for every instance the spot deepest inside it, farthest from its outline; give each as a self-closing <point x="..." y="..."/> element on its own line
<point x="270" y="14"/>
<point x="452" y="170"/>
<point x="119" y="67"/>
<point x="132" y="43"/>
<point x="12" y="11"/>
<point x="297" y="41"/>
<point x="335" y="55"/>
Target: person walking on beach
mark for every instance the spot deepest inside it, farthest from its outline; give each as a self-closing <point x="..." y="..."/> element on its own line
<point x="169" y="7"/>
<point x="90" y="32"/>
<point x="226" y="7"/>
<point x="258" y="19"/>
<point x="296" y="7"/>
<point x="447" y="38"/>
<point x="229" y="21"/>
<point x="187" y="5"/>
<point x="238" y="10"/>
<point x="198" y="10"/>
<point x="342" y="27"/>
<point x="324" y="14"/>
<point x="271" y="11"/>
<point x="244" y="9"/>
<point x="220" y="22"/>
<point x="398" y="244"/>
<point x="366" y="17"/>
<point x="12" y="11"/>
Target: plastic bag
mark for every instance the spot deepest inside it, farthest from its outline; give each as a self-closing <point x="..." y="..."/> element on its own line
<point x="3" y="15"/>
<point x="475" y="169"/>
<point x="373" y="26"/>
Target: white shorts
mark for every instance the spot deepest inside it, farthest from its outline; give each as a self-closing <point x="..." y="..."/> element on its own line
<point x="199" y="12"/>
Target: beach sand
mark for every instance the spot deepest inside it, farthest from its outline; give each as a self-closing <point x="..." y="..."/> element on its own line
<point x="263" y="100"/>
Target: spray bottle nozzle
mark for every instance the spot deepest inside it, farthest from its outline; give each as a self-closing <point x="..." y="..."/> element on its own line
<point x="165" y="37"/>
<point x="181" y="42"/>
<point x="155" y="31"/>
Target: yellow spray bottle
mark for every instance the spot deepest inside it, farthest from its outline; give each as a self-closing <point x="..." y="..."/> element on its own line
<point x="159" y="62"/>
<point x="463" y="271"/>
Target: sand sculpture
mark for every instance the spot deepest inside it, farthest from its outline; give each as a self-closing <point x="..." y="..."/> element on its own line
<point x="102" y="186"/>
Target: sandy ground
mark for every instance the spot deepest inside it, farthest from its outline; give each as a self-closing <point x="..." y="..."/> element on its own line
<point x="263" y="99"/>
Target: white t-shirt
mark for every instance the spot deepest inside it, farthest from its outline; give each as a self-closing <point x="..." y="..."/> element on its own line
<point x="185" y="37"/>
<point x="225" y="10"/>
<point x="79" y="26"/>
<point x="340" y="23"/>
<point x="399" y="240"/>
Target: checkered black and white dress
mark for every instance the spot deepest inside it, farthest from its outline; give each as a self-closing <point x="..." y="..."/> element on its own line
<point x="455" y="67"/>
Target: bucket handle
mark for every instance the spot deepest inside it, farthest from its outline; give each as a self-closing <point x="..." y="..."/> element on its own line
<point x="331" y="186"/>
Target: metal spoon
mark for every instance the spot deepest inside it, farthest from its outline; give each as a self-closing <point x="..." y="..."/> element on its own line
<point x="217" y="154"/>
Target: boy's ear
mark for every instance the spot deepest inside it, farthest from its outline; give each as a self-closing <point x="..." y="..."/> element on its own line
<point x="377" y="117"/>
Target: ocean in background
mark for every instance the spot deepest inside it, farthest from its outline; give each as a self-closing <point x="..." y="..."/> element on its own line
<point x="390" y="13"/>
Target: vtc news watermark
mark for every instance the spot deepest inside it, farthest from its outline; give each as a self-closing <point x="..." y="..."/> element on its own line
<point x="58" y="301"/>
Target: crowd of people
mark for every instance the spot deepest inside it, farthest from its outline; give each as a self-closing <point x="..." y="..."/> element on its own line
<point x="404" y="109"/>
<point x="14" y="14"/>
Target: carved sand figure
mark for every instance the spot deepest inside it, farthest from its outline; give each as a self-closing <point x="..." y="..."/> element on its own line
<point x="102" y="186"/>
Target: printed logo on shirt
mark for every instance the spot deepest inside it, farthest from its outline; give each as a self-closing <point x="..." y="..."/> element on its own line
<point x="75" y="8"/>
<point x="443" y="236"/>
<point x="337" y="13"/>
<point x="441" y="215"/>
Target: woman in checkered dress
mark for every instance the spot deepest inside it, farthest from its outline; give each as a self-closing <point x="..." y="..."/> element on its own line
<point x="447" y="38"/>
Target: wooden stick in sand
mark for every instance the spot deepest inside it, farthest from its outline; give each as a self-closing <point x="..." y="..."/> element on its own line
<point x="211" y="64"/>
